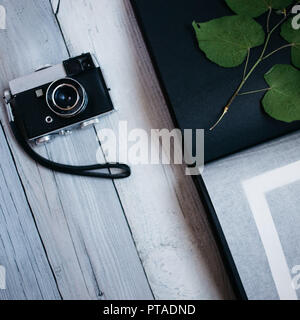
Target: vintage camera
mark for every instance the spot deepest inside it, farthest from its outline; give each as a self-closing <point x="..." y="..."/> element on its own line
<point x="57" y="99"/>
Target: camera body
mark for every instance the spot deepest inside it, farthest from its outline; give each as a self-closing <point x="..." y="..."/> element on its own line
<point x="57" y="99"/>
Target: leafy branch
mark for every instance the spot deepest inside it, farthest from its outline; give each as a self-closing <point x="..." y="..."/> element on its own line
<point x="227" y="41"/>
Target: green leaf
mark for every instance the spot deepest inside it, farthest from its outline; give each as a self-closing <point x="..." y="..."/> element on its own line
<point x="292" y="36"/>
<point x="282" y="101"/>
<point x="255" y="8"/>
<point x="226" y="40"/>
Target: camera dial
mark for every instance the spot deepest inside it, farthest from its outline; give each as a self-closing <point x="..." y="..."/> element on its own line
<point x="66" y="97"/>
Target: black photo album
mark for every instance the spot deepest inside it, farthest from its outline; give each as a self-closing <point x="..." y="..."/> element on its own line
<point x="243" y="154"/>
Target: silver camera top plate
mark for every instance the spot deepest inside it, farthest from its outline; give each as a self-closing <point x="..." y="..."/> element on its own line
<point x="36" y="79"/>
<point x="40" y="77"/>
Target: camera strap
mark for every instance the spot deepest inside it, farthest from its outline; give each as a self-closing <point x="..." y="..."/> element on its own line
<point x="86" y="171"/>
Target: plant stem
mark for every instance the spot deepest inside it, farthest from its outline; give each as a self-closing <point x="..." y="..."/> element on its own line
<point x="268" y="20"/>
<point x="245" y="78"/>
<point x="254" y="91"/>
<point x="286" y="46"/>
<point x="237" y="92"/>
<point x="246" y="65"/>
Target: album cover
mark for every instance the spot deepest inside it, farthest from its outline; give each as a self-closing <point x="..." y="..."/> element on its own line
<point x="247" y="152"/>
<point x="197" y="89"/>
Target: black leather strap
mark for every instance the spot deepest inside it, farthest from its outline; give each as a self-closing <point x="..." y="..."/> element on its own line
<point x="86" y="171"/>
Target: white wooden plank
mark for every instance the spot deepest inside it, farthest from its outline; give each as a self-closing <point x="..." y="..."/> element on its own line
<point x="28" y="274"/>
<point x="80" y="220"/>
<point x="162" y="206"/>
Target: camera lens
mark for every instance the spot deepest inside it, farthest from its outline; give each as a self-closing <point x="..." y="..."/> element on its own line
<point x="66" y="97"/>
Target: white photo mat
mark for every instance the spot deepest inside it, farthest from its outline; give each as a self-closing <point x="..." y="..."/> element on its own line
<point x="239" y="187"/>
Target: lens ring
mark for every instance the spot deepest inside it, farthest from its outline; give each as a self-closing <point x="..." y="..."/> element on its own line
<point x="68" y="86"/>
<point x="78" y="97"/>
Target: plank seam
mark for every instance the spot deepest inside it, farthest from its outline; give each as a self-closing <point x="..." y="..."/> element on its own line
<point x="55" y="13"/>
<point x="127" y="222"/>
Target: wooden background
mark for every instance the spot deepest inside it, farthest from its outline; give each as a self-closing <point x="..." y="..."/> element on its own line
<point x="64" y="237"/>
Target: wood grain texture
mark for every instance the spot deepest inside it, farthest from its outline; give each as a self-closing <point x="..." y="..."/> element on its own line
<point x="80" y="220"/>
<point x="162" y="205"/>
<point x="29" y="275"/>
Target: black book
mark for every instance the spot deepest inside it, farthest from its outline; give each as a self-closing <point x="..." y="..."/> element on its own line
<point x="197" y="91"/>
